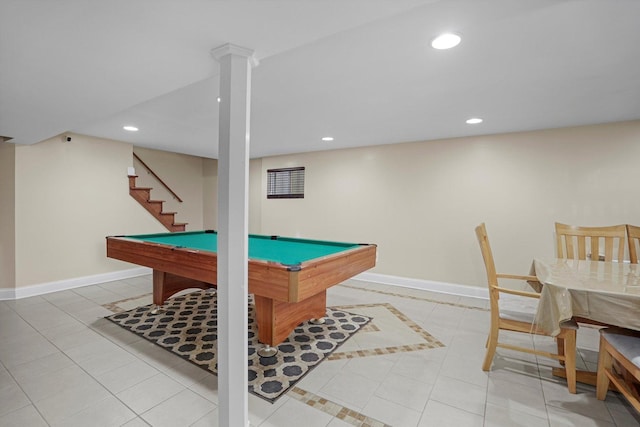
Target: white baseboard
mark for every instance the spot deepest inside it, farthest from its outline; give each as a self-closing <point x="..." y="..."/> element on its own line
<point x="77" y="282"/>
<point x="406" y="282"/>
<point x="426" y="285"/>
<point x="7" y="294"/>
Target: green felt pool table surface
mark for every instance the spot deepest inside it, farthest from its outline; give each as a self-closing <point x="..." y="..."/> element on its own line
<point x="285" y="250"/>
<point x="288" y="277"/>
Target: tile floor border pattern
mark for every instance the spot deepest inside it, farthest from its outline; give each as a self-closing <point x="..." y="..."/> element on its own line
<point x="412" y="297"/>
<point x="115" y="305"/>
<point x="188" y="331"/>
<point x="337" y="410"/>
<point x="559" y="409"/>
<point x="369" y="327"/>
<point x="432" y="342"/>
<point x="345" y="414"/>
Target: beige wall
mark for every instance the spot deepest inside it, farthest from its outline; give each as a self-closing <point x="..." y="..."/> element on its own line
<point x="418" y="201"/>
<point x="210" y="195"/>
<point x="255" y="196"/>
<point x="68" y="197"/>
<point x="7" y="215"/>
<point x="421" y="201"/>
<point x="183" y="174"/>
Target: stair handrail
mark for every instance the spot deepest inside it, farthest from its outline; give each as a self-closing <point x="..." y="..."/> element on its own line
<point x="157" y="177"/>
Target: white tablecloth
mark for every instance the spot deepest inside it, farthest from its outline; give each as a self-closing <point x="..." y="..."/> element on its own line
<point x="607" y="292"/>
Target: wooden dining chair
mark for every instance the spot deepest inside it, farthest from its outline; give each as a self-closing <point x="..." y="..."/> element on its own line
<point x="633" y="237"/>
<point x="521" y="322"/>
<point x="574" y="242"/>
<point x="623" y="347"/>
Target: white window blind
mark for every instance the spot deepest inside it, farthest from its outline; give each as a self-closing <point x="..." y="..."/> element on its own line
<point x="286" y="183"/>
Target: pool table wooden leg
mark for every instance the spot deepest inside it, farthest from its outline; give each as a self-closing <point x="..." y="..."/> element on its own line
<point x="276" y="319"/>
<point x="167" y="284"/>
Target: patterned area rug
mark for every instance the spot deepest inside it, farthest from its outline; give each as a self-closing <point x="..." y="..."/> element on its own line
<point x="188" y="328"/>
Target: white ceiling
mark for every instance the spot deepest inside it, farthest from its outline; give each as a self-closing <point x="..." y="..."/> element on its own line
<point x="361" y="71"/>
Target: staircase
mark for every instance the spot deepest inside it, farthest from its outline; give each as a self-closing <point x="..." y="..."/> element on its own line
<point x="143" y="196"/>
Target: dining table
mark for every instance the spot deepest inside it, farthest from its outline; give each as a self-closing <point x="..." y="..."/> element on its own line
<point x="599" y="292"/>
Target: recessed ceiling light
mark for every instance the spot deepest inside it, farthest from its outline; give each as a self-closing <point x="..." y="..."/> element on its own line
<point x="446" y="41"/>
<point x="327" y="138"/>
<point x="474" y="121"/>
<point x="130" y="128"/>
<point x="218" y="99"/>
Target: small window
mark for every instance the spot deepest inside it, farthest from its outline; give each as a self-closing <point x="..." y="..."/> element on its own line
<point x="287" y="183"/>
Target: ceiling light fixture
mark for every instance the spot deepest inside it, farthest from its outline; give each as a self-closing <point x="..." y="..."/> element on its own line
<point x="445" y="41"/>
<point x="474" y="121"/>
<point x="327" y="138"/>
<point x="130" y="128"/>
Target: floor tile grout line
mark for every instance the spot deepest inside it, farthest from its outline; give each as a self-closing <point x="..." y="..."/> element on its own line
<point x="113" y="306"/>
<point x="327" y="406"/>
<point x="345" y="412"/>
<point x="87" y="325"/>
<point x="345" y="285"/>
<point x="60" y="350"/>
<point x="33" y="403"/>
<point x="412" y="297"/>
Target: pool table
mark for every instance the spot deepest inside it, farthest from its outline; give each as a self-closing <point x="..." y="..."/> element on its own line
<point x="289" y="277"/>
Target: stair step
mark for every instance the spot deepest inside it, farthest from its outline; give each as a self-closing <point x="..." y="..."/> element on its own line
<point x="143" y="194"/>
<point x="140" y="192"/>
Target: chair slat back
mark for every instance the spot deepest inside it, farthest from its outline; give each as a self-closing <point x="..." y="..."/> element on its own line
<point x="633" y="235"/>
<point x="566" y="338"/>
<point x="574" y="242"/>
<point x="487" y="255"/>
<point x="492" y="275"/>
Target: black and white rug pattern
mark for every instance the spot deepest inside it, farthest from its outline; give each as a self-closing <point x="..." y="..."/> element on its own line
<point x="188" y="328"/>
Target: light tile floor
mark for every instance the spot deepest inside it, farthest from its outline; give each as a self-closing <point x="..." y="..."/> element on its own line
<point x="62" y="364"/>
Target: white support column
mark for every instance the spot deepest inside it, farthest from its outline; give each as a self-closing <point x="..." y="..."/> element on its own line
<point x="233" y="177"/>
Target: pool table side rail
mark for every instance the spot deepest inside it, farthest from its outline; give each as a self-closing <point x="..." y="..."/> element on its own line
<point x="193" y="264"/>
<point x="331" y="270"/>
<point x="310" y="277"/>
<point x="267" y="278"/>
